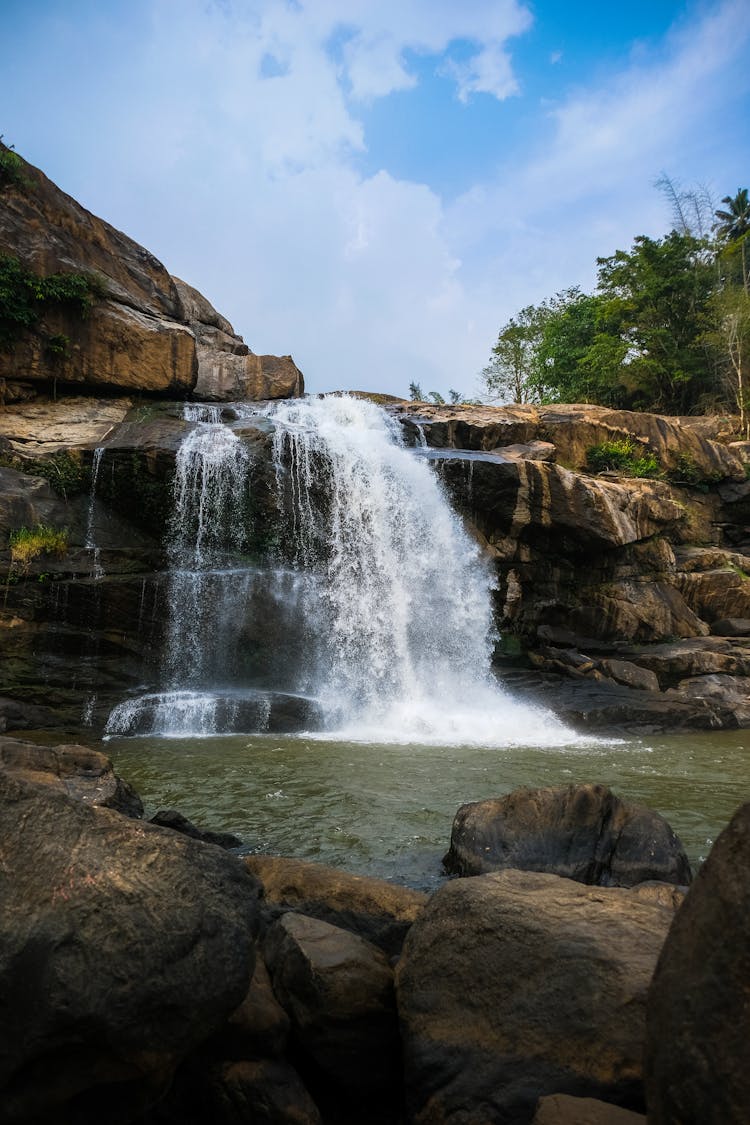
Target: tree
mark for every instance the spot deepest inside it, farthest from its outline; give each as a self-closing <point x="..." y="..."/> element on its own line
<point x="734" y="227"/>
<point x="510" y="374"/>
<point x="730" y="336"/>
<point x="656" y="302"/>
<point x="578" y="359"/>
<point x="415" y="392"/>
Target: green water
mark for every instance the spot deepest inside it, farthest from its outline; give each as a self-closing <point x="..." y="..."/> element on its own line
<point x="387" y="809"/>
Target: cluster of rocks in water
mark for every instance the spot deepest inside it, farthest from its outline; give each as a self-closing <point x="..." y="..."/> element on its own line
<point x="570" y="977"/>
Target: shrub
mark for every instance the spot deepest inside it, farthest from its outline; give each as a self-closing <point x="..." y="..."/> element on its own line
<point x="11" y="169"/>
<point x="623" y="455"/>
<point x="28" y="544"/>
<point x="26" y="296"/>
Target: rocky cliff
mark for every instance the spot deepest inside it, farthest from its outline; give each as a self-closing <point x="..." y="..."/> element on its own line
<point x="144" y="331"/>
<point x="609" y="578"/>
<point x="625" y="600"/>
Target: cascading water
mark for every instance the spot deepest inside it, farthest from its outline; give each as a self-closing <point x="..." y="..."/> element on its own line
<point x="372" y="615"/>
<point x="404" y="596"/>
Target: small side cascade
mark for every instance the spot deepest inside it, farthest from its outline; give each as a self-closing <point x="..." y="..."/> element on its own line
<point x="90" y="543"/>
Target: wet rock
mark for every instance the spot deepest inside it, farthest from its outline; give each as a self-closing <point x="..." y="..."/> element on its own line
<point x="123" y="947"/>
<point x="338" y="991"/>
<point x="581" y="832"/>
<point x="514" y="985"/>
<point x="727" y="691"/>
<point x="18" y="715"/>
<point x="698" y="1015"/>
<point x="378" y="911"/>
<point x="561" y="1109"/>
<point x="80" y="772"/>
<point x="171" y="818"/>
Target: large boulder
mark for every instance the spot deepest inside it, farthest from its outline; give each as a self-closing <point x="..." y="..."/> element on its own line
<point x="378" y="911"/>
<point x="122" y="947"/>
<point x="515" y="985"/>
<point x="582" y="832"/>
<point x="698" y="1013"/>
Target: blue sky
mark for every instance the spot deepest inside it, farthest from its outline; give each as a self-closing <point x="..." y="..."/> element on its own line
<point x="376" y="186"/>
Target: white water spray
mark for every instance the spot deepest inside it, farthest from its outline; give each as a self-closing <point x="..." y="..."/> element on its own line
<point x="405" y="602"/>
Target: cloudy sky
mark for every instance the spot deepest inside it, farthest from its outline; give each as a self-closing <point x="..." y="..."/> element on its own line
<point x="376" y="186"/>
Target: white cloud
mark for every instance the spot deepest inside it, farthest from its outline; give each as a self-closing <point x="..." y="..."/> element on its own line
<point x="226" y="139"/>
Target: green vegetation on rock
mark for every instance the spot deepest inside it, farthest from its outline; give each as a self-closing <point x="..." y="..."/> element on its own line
<point x="26" y="296"/>
<point x="11" y="169"/>
<point x="65" y="472"/>
<point x="624" y="455"/>
<point x="28" y="544"/>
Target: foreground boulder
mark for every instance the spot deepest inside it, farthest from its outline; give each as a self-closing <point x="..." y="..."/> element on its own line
<point x="122" y="947"/>
<point x="698" y="1014"/>
<point x="583" y="832"/>
<point x="515" y="985"/>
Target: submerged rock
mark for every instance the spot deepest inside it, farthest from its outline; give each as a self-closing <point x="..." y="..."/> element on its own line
<point x="515" y="985"/>
<point x="698" y="1014"/>
<point x="582" y="832"/>
<point x="171" y="818"/>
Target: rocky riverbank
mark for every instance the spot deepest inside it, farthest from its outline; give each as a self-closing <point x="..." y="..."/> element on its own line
<point x="156" y="978"/>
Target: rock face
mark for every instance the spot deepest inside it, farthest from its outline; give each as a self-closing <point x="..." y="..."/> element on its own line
<point x="513" y="986"/>
<point x="123" y="946"/>
<point x="582" y="832"/>
<point x="146" y="331"/>
<point x="698" y="1014"/>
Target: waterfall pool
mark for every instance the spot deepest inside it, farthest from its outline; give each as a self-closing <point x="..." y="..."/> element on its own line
<point x="386" y="809"/>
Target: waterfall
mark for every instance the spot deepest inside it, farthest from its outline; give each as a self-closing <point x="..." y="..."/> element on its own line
<point x="370" y="617"/>
<point x="404" y="597"/>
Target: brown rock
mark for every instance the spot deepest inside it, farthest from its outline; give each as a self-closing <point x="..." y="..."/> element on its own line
<point x="50" y="232"/>
<point x="114" y="346"/>
<point x="561" y="1109"/>
<point x="581" y="832"/>
<point x="338" y="992"/>
<point x="378" y="911"/>
<point x="515" y="985"/>
<point x="698" y="1013"/>
<point x="78" y="771"/>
